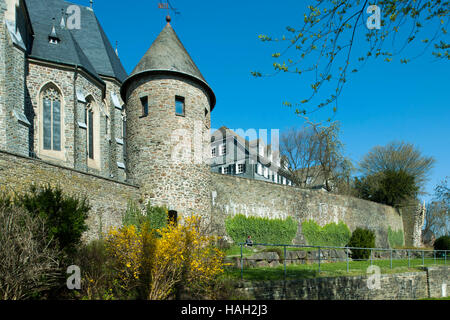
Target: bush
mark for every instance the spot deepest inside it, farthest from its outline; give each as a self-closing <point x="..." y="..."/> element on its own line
<point x="97" y="282"/>
<point x="262" y="230"/>
<point x="29" y="263"/>
<point x="361" y="238"/>
<point x="442" y="243"/>
<point x="395" y="238"/>
<point x="387" y="187"/>
<point x="156" y="267"/>
<point x="331" y="234"/>
<point x="155" y="216"/>
<point x="64" y="215"/>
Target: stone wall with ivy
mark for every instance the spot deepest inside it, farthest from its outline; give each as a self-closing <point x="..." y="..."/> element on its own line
<point x="233" y="195"/>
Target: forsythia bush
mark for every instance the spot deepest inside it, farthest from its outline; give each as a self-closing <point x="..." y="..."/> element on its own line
<point x="158" y="261"/>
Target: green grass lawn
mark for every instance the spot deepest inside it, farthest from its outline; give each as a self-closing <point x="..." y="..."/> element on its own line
<point x="302" y="271"/>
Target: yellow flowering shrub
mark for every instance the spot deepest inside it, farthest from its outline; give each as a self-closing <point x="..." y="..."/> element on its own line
<point x="125" y="247"/>
<point x="158" y="261"/>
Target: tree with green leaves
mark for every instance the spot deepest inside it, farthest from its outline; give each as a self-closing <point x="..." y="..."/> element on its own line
<point x="393" y="173"/>
<point x="323" y="45"/>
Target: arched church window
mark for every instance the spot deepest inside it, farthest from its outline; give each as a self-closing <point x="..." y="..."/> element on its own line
<point x="51" y="119"/>
<point x="90" y="129"/>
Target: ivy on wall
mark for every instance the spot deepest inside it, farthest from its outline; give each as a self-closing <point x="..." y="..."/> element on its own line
<point x="262" y="230"/>
<point x="395" y="238"/>
<point x="332" y="234"/>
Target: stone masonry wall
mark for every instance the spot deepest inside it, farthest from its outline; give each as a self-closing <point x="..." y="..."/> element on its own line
<point x="233" y="195"/>
<point x="167" y="153"/>
<point x="3" y="41"/>
<point x="401" y="286"/>
<point x="108" y="198"/>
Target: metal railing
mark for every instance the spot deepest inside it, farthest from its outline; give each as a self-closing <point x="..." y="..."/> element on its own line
<point x="324" y="256"/>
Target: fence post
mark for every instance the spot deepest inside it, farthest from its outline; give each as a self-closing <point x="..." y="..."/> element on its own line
<point x="445" y="256"/>
<point x="285" y="263"/>
<point x="434" y="256"/>
<point x="371" y="253"/>
<point x="242" y="263"/>
<point x="423" y="258"/>
<point x="346" y="251"/>
<point x="391" y="258"/>
<point x="319" y="259"/>
<point x="409" y="259"/>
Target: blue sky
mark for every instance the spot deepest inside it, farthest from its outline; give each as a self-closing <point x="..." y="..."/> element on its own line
<point x="381" y="103"/>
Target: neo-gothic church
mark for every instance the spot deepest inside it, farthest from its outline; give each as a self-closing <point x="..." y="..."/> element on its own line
<point x="66" y="99"/>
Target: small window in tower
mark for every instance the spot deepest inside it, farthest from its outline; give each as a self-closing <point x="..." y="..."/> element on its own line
<point x="206" y="112"/>
<point x="179" y="106"/>
<point x="144" y="102"/>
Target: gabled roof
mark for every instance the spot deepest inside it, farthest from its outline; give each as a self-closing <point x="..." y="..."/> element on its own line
<point x="168" y="55"/>
<point x="87" y="47"/>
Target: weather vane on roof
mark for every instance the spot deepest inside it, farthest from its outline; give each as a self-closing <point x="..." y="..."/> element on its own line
<point x="168" y="6"/>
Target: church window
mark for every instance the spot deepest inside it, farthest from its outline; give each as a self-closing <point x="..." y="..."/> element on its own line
<point x="51" y="116"/>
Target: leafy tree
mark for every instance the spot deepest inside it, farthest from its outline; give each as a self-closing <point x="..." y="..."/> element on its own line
<point x="396" y="157"/>
<point x="323" y="45"/>
<point x="388" y="187"/>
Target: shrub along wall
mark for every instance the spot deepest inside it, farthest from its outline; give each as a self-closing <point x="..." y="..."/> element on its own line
<point x="262" y="230"/>
<point x="332" y="234"/>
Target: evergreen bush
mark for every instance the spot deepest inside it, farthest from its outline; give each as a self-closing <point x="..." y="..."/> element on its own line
<point x="64" y="215"/>
<point x="442" y="243"/>
<point x="361" y="238"/>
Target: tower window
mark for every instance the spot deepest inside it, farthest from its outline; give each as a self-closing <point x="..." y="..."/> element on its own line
<point x="173" y="216"/>
<point x="144" y="103"/>
<point x="179" y="106"/>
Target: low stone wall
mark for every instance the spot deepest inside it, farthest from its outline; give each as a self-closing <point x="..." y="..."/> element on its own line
<point x="273" y="259"/>
<point x="107" y="198"/>
<point x="402" y="286"/>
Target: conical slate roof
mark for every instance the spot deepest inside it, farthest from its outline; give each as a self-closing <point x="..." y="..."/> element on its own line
<point x="168" y="55"/>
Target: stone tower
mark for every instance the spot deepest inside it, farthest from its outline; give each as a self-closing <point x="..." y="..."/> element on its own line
<point x="168" y="107"/>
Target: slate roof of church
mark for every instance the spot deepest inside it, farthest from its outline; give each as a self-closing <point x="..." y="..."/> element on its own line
<point x="167" y="54"/>
<point x="87" y="47"/>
